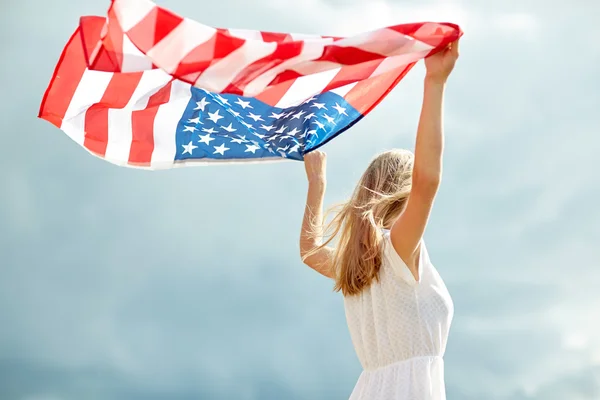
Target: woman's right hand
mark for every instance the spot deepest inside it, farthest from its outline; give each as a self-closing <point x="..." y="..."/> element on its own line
<point x="440" y="65"/>
<point x="315" y="163"/>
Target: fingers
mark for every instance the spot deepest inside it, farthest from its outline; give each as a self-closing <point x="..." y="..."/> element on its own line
<point x="455" y="47"/>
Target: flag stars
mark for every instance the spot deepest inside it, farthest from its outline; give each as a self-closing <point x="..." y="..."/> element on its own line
<point x="276" y="116"/>
<point x="239" y="140"/>
<point x="294" y="131"/>
<point x="320" y="106"/>
<point x="222" y="99"/>
<point x="221" y="149"/>
<point x="190" y="129"/>
<point x="206" y="138"/>
<point x="280" y="130"/>
<point x="194" y="121"/>
<point x="298" y="114"/>
<point x="341" y="110"/>
<point x="251" y="148"/>
<point x="214" y="117"/>
<point x="209" y="130"/>
<point x="188" y="148"/>
<point x="255" y="117"/>
<point x="229" y="128"/>
<point x="319" y="124"/>
<point x="309" y="116"/>
<point x="200" y="105"/>
<point x="329" y="119"/>
<point x="243" y="104"/>
<point x="267" y="128"/>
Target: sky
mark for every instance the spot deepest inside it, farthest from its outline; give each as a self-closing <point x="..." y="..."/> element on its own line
<point x="118" y="283"/>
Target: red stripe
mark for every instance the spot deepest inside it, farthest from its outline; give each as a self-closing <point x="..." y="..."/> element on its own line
<point x="117" y="95"/>
<point x="153" y="28"/>
<point x="365" y="95"/>
<point x="353" y="73"/>
<point x="282" y="53"/>
<point x="437" y="35"/>
<point x="273" y="94"/>
<point x="142" y="144"/>
<point x="66" y="77"/>
<point x="347" y="55"/>
<point x="220" y="45"/>
<point x="276" y="37"/>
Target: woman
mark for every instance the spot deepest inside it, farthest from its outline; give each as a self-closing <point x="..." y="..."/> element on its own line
<point x="397" y="306"/>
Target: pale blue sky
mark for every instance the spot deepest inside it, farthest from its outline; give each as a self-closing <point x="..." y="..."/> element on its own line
<point x="186" y="284"/>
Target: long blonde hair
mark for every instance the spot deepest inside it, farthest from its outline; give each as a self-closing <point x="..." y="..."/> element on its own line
<point x="377" y="201"/>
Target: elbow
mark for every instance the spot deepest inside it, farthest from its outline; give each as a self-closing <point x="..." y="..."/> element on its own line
<point x="426" y="181"/>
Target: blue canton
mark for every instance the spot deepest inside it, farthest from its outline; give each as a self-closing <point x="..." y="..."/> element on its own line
<point x="231" y="127"/>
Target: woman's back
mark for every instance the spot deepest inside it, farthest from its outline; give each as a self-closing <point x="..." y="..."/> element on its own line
<point x="399" y="327"/>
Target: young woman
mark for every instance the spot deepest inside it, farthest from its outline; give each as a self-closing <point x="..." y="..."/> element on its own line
<point x="397" y="306"/>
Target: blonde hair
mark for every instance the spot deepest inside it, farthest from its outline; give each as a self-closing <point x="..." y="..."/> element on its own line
<point x="377" y="201"/>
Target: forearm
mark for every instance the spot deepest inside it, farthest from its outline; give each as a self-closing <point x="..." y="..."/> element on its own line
<point x="312" y="224"/>
<point x="430" y="136"/>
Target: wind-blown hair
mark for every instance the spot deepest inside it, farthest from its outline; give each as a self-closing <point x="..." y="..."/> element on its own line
<point x="377" y="201"/>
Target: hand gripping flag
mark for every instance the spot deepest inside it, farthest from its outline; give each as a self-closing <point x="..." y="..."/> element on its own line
<point x="144" y="87"/>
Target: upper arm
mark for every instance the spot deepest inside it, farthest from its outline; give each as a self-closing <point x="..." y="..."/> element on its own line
<point x="408" y="230"/>
<point x="321" y="261"/>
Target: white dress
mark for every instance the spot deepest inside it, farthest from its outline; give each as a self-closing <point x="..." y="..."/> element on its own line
<point x="399" y="327"/>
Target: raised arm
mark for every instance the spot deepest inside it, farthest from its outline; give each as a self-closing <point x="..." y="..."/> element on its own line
<point x="407" y="231"/>
<point x="311" y="235"/>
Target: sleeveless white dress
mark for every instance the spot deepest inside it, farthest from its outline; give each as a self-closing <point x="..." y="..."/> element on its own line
<point x="399" y="327"/>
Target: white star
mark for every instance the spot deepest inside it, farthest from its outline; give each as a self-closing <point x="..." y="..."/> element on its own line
<point x="251" y="148"/>
<point x="188" y="148"/>
<point x="284" y="137"/>
<point x="340" y="110"/>
<point x="298" y="114"/>
<point x="201" y="104"/>
<point x="309" y="116"/>
<point x="276" y="116"/>
<point x="319" y="105"/>
<point x="329" y="119"/>
<point x="283" y="148"/>
<point x="209" y="130"/>
<point x="214" y="117"/>
<point x="309" y="100"/>
<point x="222" y="99"/>
<point x="239" y="140"/>
<point x="244" y="104"/>
<point x="229" y="128"/>
<point x="194" y="121"/>
<point x="312" y="132"/>
<point x="320" y="125"/>
<point x="255" y="117"/>
<point x="221" y="149"/>
<point x="294" y="149"/>
<point x="189" y="129"/>
<point x="303" y="133"/>
<point x="247" y="125"/>
<point x="283" y="128"/>
<point x="267" y="128"/>
<point x="235" y="113"/>
<point x="293" y="132"/>
<point x="258" y="135"/>
<point x="272" y="138"/>
<point x="206" y="138"/>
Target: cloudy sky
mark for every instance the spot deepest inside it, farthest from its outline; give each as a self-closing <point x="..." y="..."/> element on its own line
<point x="186" y="284"/>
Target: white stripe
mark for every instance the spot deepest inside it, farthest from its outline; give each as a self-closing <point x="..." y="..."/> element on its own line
<point x="219" y="75"/>
<point x="306" y="86"/>
<point x="90" y="90"/>
<point x="133" y="59"/>
<point x="131" y="12"/>
<point x="165" y="125"/>
<point x="173" y="48"/>
<point x="402" y="60"/>
<point x="246" y="34"/>
<point x="343" y="90"/>
<point x="386" y="42"/>
<point x="120" y="130"/>
<point x="309" y="37"/>
<point x="310" y="51"/>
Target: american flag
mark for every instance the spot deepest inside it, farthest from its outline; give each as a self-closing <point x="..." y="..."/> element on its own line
<point x="144" y="87"/>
